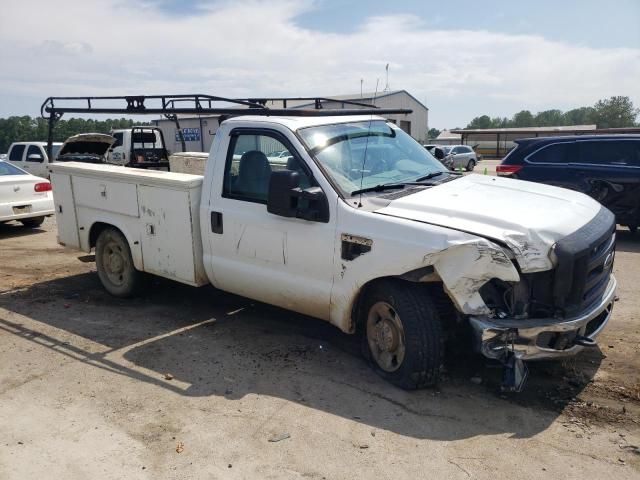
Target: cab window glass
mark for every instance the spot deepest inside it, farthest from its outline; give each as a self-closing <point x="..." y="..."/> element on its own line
<point x="118" y="136"/>
<point x="250" y="161"/>
<point x="34" y="150"/>
<point x="16" y="153"/>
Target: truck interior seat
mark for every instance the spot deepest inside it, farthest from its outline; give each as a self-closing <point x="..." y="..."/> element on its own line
<point x="253" y="174"/>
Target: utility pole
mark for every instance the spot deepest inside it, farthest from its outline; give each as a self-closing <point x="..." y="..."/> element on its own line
<point x="386" y="87"/>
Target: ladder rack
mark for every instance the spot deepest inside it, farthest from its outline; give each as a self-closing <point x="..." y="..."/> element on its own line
<point x="53" y="108"/>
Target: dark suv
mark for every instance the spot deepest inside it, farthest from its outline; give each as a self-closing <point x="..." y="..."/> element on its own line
<point x="606" y="167"/>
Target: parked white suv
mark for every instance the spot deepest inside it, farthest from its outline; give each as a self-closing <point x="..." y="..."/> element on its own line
<point x="32" y="157"/>
<point x="463" y="157"/>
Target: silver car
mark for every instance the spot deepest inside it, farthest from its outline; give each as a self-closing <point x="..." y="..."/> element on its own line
<point x="463" y="157"/>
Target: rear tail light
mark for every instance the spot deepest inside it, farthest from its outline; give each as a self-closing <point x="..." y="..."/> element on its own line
<point x="42" y="187"/>
<point x="507" y="170"/>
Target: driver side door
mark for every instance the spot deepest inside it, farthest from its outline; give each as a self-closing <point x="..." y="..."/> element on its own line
<point x="282" y="261"/>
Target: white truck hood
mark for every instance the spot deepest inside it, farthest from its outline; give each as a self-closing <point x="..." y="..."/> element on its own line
<point x="528" y="217"/>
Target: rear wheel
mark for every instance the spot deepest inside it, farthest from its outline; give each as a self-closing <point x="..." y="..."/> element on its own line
<point x="32" y="222"/>
<point x="115" y="264"/>
<point x="403" y="337"/>
<point x="471" y="165"/>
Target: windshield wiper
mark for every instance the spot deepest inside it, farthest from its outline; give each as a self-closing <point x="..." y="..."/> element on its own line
<point x="428" y="176"/>
<point x="388" y="186"/>
<point x="379" y="188"/>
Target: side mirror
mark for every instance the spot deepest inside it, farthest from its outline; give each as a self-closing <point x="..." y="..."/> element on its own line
<point x="34" y="157"/>
<point x="439" y="153"/>
<point x="280" y="199"/>
<point x="287" y="199"/>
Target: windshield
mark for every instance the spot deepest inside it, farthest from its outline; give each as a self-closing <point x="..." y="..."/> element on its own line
<point x="54" y="150"/>
<point x="365" y="154"/>
<point x="447" y="150"/>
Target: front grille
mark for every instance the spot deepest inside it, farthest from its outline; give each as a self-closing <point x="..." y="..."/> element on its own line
<point x="585" y="262"/>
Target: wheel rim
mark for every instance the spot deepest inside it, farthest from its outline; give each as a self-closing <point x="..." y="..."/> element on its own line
<point x="385" y="336"/>
<point x="114" y="262"/>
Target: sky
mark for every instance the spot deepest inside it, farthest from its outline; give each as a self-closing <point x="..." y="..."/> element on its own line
<point x="462" y="59"/>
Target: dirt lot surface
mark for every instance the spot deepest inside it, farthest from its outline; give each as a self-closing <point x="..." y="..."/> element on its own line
<point x="195" y="383"/>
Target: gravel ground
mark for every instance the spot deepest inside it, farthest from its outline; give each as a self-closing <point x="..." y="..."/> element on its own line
<point x="195" y="383"/>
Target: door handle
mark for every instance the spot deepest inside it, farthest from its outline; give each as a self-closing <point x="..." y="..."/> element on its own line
<point x="216" y="222"/>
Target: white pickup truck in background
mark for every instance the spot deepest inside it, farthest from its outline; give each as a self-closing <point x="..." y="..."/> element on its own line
<point x="357" y="224"/>
<point x="32" y="157"/>
<point x="138" y="147"/>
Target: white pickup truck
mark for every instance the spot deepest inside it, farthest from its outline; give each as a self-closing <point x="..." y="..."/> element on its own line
<point x="363" y="228"/>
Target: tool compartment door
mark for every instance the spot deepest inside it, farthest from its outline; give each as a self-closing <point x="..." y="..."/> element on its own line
<point x="167" y="233"/>
<point x="66" y="218"/>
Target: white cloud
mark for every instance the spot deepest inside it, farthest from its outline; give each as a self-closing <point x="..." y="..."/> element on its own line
<point x="71" y="47"/>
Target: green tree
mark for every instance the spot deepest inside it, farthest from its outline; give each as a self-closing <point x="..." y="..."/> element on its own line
<point x="25" y="128"/>
<point x="524" y="118"/>
<point x="580" y="116"/>
<point x="481" y="122"/>
<point x="615" y="112"/>
<point x="433" y="133"/>
<point x="549" y="118"/>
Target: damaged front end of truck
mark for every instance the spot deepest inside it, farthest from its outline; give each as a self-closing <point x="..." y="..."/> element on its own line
<point x="553" y="313"/>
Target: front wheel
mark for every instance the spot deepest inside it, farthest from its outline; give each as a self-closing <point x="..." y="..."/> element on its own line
<point x="115" y="264"/>
<point x="471" y="165"/>
<point x="403" y="337"/>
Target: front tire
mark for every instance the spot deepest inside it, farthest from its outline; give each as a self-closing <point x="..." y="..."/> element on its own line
<point x="34" y="222"/>
<point x="403" y="337"/>
<point x="115" y="264"/>
<point x="471" y="165"/>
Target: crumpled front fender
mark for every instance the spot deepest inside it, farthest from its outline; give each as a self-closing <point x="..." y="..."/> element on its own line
<point x="466" y="267"/>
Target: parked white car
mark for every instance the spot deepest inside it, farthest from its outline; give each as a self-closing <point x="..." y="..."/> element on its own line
<point x="32" y="157"/>
<point x="24" y="197"/>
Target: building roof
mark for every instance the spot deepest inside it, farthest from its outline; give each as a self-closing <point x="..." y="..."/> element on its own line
<point x="448" y="135"/>
<point x="365" y="97"/>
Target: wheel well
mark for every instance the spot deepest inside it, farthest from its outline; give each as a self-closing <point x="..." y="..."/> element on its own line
<point x="435" y="289"/>
<point x="96" y="229"/>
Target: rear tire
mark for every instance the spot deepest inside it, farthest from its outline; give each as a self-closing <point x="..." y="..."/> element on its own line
<point x="115" y="264"/>
<point x="32" y="222"/>
<point x="471" y="165"/>
<point x="402" y="334"/>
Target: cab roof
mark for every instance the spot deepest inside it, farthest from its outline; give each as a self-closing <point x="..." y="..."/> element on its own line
<point x="296" y="123"/>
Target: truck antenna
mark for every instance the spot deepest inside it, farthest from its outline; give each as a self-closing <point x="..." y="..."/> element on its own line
<point x="366" y="145"/>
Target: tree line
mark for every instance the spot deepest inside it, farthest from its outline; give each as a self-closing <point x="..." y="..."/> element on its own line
<point x="29" y="129"/>
<point x="614" y="112"/>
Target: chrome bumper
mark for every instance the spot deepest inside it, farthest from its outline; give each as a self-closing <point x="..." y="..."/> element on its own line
<point x="545" y="338"/>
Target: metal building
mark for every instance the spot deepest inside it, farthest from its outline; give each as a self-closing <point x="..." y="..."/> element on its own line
<point x="198" y="132"/>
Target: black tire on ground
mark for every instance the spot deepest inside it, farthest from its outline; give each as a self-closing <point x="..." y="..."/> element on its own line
<point x="32" y="222"/>
<point x="633" y="229"/>
<point x="115" y="264"/>
<point x="392" y="302"/>
<point x="471" y="165"/>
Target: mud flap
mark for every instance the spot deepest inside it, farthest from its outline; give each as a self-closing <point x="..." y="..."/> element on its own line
<point x="514" y="374"/>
